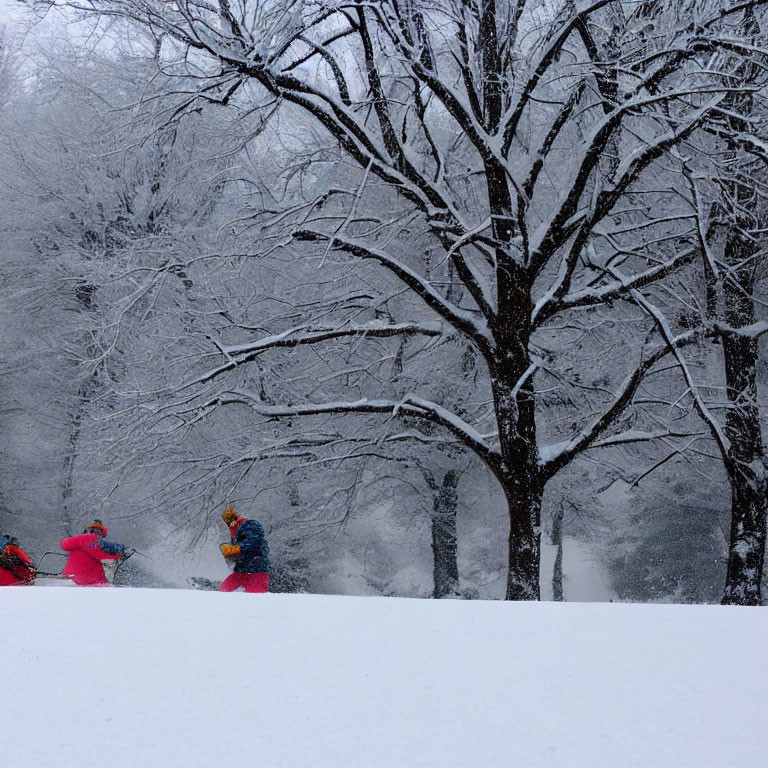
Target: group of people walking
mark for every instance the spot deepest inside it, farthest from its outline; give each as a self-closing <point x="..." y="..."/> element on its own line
<point x="90" y="552"/>
<point x="88" y="555"/>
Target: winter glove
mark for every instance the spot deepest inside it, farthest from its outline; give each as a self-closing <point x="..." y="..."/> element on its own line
<point x="230" y="550"/>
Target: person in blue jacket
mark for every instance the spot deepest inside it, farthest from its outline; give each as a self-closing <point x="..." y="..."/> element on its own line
<point x="250" y="552"/>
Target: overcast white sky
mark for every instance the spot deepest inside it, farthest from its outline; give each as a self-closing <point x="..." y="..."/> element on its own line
<point x="10" y="12"/>
<point x="13" y="15"/>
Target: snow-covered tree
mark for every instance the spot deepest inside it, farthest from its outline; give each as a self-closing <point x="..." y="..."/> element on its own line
<point x="725" y="178"/>
<point x="86" y="195"/>
<point x="479" y="133"/>
<point x="731" y="229"/>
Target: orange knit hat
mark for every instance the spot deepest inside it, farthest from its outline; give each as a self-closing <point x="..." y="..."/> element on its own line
<point x="229" y="516"/>
<point x="97" y="527"/>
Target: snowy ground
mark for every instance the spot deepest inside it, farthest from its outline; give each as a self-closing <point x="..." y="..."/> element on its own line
<point x="132" y="677"/>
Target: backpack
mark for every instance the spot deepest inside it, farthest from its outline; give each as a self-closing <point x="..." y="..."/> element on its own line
<point x="9" y="561"/>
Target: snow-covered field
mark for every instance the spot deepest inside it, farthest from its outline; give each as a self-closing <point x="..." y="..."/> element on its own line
<point x="143" y="678"/>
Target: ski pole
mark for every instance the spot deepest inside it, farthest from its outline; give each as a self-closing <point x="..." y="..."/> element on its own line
<point x="57" y="554"/>
<point x="129" y="552"/>
<point x="126" y="554"/>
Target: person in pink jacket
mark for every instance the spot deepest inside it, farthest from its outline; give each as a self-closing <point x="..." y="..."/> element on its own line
<point x="87" y="552"/>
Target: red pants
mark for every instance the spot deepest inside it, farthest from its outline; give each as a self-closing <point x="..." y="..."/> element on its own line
<point x="251" y="582"/>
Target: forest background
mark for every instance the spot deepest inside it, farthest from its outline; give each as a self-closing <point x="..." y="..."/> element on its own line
<point x="457" y="298"/>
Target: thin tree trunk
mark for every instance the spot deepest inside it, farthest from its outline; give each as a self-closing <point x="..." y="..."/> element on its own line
<point x="444" y="539"/>
<point x="557" y="540"/>
<point x="292" y="489"/>
<point x="68" y="482"/>
<point x="85" y="297"/>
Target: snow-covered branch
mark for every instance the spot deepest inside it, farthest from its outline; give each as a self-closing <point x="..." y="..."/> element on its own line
<point x="555" y="457"/>
<point x="751" y="331"/>
<point x="239" y="354"/>
<point x="468" y="323"/>
<point x="408" y="407"/>
<point x="549" y="306"/>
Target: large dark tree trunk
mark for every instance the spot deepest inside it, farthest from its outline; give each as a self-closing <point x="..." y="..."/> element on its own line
<point x="746" y="453"/>
<point x="524" y="540"/>
<point x="747" y="471"/>
<point x="519" y="477"/>
<point x="512" y="386"/>
<point x="510" y="360"/>
<point x="444" y="540"/>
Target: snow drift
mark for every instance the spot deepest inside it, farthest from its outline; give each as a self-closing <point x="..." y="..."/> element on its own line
<point x="133" y="677"/>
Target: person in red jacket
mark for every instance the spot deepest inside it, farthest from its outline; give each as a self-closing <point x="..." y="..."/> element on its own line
<point x="87" y="553"/>
<point x="16" y="567"/>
